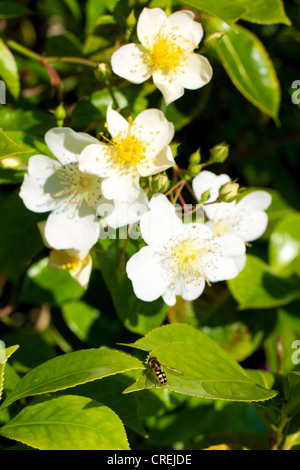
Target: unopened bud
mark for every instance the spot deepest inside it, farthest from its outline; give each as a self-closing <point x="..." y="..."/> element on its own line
<point x="195" y="158"/>
<point x="160" y="183"/>
<point x="219" y="153"/>
<point x="228" y="191"/>
<point x="102" y="72"/>
<point x="131" y="20"/>
<point x="60" y="114"/>
<point x="204" y="197"/>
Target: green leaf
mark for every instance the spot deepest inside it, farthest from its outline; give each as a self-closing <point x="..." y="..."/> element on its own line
<point x="13" y="10"/>
<point x="278" y="209"/>
<point x="284" y="247"/>
<point x="32" y="121"/>
<point x="226" y="10"/>
<point x="265" y="11"/>
<point x="80" y="317"/>
<point x="20" y="239"/>
<point x="8" y="147"/>
<point x="207" y="370"/>
<point x="258" y="11"/>
<point x="94" y="107"/>
<point x="109" y="392"/>
<point x="10" y="176"/>
<point x="249" y="66"/>
<point x="136" y="315"/>
<point x="70" y="370"/>
<point x="49" y="285"/>
<point x="258" y="287"/>
<point x="5" y="353"/>
<point x="236" y="339"/>
<point x="8" y="70"/>
<point x="67" y="423"/>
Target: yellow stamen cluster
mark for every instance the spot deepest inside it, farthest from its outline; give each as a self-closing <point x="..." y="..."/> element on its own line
<point x="69" y="263"/>
<point x="165" y="53"/>
<point x="186" y="256"/>
<point x="129" y="149"/>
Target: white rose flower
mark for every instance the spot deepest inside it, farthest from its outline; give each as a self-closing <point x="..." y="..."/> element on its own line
<point x="59" y="186"/>
<point x="245" y="218"/>
<point x="166" y="53"/>
<point x="138" y="148"/>
<point x="180" y="257"/>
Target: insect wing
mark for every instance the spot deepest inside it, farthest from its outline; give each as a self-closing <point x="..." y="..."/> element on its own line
<point x="172" y="370"/>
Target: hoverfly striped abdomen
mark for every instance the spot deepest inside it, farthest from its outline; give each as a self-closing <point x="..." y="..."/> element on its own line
<point x="157" y="369"/>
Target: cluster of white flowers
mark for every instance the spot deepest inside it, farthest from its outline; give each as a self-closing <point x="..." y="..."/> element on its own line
<point x="90" y="181"/>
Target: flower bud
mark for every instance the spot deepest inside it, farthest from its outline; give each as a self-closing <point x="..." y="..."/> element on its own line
<point x="102" y="72"/>
<point x="60" y="114"/>
<point x="219" y="153"/>
<point x="228" y="191"/>
<point x="195" y="158"/>
<point x="160" y="183"/>
<point x="204" y="197"/>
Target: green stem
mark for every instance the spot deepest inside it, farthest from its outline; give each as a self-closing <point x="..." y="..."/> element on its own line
<point x="23" y="50"/>
<point x="71" y="60"/>
<point x="48" y="60"/>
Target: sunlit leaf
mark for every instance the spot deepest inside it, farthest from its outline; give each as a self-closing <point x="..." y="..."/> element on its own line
<point x="67" y="423"/>
<point x="258" y="287"/>
<point x="206" y="369"/>
<point x="70" y="370"/>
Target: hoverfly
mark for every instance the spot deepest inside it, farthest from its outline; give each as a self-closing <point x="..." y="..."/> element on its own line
<point x="158" y="372"/>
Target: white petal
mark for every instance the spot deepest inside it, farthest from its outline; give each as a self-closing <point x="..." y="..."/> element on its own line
<point x="116" y="124"/>
<point x="169" y="85"/>
<point x="231" y="245"/>
<point x="192" y="290"/>
<point x="251" y="226"/>
<point x="130" y="62"/>
<point x="182" y="24"/>
<point x="149" y="24"/>
<point x="197" y="231"/>
<point x="66" y="144"/>
<point x="225" y="259"/>
<point x="123" y="186"/>
<point x="169" y="297"/>
<point x="197" y="72"/>
<point x="146" y="274"/>
<point x="188" y="291"/>
<point x="96" y="160"/>
<point x="220" y="211"/>
<point x="257" y="200"/>
<point x="228" y="268"/>
<point x="152" y="127"/>
<point x="206" y="180"/>
<point x="84" y="273"/>
<point x="72" y="228"/>
<point x="161" y="162"/>
<point x="160" y="223"/>
<point x="124" y="213"/>
<point x="41" y="166"/>
<point x="37" y="195"/>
